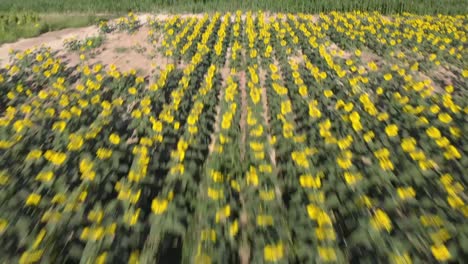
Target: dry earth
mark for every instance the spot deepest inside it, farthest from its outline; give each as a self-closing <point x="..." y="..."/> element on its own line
<point x="53" y="40"/>
<point x="126" y="51"/>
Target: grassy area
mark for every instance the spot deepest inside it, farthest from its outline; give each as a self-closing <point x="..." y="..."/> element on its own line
<point x="26" y="25"/>
<point x="312" y="6"/>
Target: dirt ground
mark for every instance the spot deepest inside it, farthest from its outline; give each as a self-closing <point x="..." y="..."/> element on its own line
<point x="126" y="51"/>
<point x="51" y="39"/>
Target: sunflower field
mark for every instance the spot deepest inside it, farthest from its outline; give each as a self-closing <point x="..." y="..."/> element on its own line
<point x="263" y="138"/>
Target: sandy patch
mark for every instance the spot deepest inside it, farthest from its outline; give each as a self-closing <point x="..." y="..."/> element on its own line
<point x="368" y="56"/>
<point x="265" y="114"/>
<point x="443" y="74"/>
<point x="54" y="40"/>
<point x="126" y="51"/>
<point x="129" y="51"/>
<point x="243" y="120"/>
<point x="338" y="52"/>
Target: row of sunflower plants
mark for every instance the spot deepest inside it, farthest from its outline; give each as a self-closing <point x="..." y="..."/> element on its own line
<point x="102" y="170"/>
<point x="173" y="205"/>
<point x="264" y="227"/>
<point x="135" y="190"/>
<point x="382" y="154"/>
<point x="263" y="47"/>
<point x="386" y="215"/>
<point x="129" y="23"/>
<point x="349" y="176"/>
<point x="175" y="38"/>
<point x="126" y="197"/>
<point x="159" y="127"/>
<point x="170" y="26"/>
<point x="188" y="49"/>
<point x="305" y="188"/>
<point x="220" y="48"/>
<point x="212" y="234"/>
<point x="215" y="223"/>
<point x="106" y="218"/>
<point x="179" y="111"/>
<point x="316" y="108"/>
<point x="237" y="43"/>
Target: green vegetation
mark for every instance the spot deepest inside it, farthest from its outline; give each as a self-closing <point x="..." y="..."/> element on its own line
<point x="263" y="139"/>
<point x="311" y="6"/>
<point x="84" y="45"/>
<point x="27" y="24"/>
<point x="20" y="19"/>
<point x="13" y="26"/>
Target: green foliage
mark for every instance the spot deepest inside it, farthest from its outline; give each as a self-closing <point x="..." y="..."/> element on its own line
<point x="15" y="25"/>
<point x="196" y="6"/>
<point x="285" y="138"/>
<point x="84" y="45"/>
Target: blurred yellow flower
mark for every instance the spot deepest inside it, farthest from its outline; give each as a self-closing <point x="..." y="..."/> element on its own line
<point x="101" y="259"/>
<point x="309" y="181"/>
<point x="381" y="221"/>
<point x="215" y="194"/>
<point x="114" y="139"/>
<point x="406" y="193"/>
<point x="268" y="195"/>
<point x="408" y="144"/>
<point x="104" y="153"/>
<point x="33" y="199"/>
<point x="391" y="130"/>
<point x="159" y="206"/>
<point x="433" y="132"/>
<point x="344" y="160"/>
<point x="76" y="142"/>
<point x="264" y="220"/>
<point x="369" y="136"/>
<point x="34" y="154"/>
<point x="440" y="252"/>
<point x="452" y="153"/>
<point x="95" y="216"/>
<point x="252" y="177"/>
<point x="223" y="213"/>
<point x="286" y="107"/>
<point x="328" y="93"/>
<point x="234" y="228"/>
<point x="445" y="118"/>
<point x="273" y="253"/>
<point x="3" y="224"/>
<point x="327" y="254"/>
<point x="352" y="178"/>
<point x="325" y="233"/>
<point x="132" y="90"/>
<point x="45" y="176"/>
<point x="29" y="257"/>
